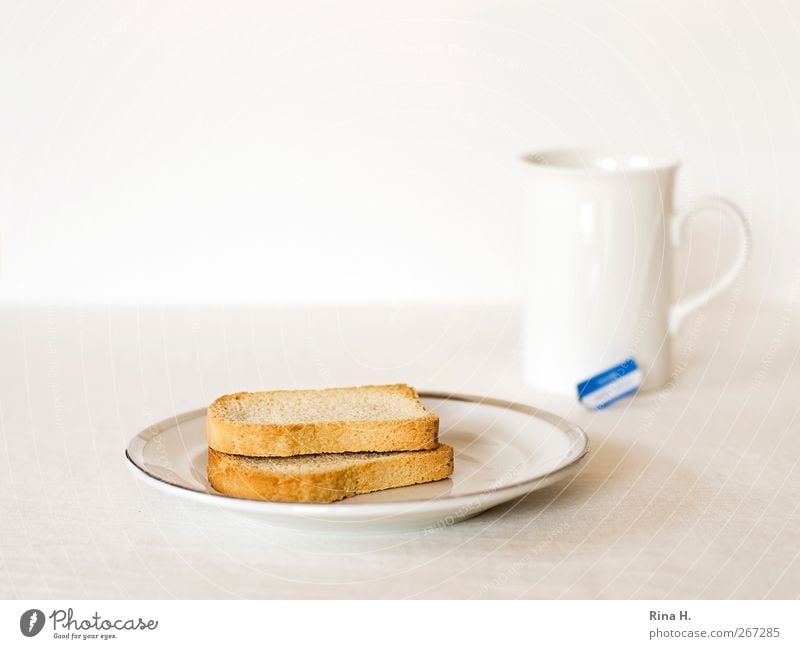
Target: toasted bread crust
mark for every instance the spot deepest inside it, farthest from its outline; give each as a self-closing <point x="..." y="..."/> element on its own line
<point x="242" y="478"/>
<point x="283" y="440"/>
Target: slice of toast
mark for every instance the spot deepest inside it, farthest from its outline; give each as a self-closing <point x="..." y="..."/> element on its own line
<point x="337" y="420"/>
<point x="324" y="478"/>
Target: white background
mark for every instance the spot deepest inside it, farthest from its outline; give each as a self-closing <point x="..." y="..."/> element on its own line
<point x="367" y="151"/>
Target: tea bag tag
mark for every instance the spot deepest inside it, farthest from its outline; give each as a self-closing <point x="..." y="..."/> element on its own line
<point x="615" y="383"/>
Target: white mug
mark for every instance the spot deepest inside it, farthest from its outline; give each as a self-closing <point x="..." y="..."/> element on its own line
<point x="599" y="241"/>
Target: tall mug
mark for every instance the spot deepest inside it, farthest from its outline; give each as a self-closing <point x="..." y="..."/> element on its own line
<point x="601" y="231"/>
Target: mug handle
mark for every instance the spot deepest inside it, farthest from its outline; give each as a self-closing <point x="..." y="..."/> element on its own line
<point x="685" y="306"/>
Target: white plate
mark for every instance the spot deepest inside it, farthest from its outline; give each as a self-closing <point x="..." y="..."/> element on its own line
<point x="503" y="450"/>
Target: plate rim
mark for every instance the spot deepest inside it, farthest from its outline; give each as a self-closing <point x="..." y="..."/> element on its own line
<point x="574" y="433"/>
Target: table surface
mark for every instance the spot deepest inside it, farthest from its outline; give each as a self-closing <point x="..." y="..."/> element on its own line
<point x="690" y="492"/>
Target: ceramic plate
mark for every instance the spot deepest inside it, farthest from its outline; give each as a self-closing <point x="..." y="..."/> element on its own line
<point x="502" y="451"/>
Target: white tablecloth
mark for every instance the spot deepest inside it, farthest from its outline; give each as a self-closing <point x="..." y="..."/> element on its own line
<point x="690" y="492"/>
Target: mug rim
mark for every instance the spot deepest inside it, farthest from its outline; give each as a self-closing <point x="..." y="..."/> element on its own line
<point x="597" y="161"/>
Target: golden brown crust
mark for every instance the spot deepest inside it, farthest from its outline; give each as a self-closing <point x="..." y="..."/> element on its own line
<point x="283" y="440"/>
<point x="244" y="478"/>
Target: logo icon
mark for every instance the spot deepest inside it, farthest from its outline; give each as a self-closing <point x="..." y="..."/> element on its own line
<point x="31" y="622"/>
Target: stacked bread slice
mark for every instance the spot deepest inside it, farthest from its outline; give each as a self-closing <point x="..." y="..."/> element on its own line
<point x="323" y="445"/>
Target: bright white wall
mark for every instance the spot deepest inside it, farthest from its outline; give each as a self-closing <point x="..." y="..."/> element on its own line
<point x="357" y="151"/>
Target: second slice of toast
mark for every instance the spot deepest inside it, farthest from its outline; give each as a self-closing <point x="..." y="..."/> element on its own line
<point x="325" y="478"/>
<point x="337" y="420"/>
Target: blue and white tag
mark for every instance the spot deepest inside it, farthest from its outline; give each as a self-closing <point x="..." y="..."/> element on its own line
<point x="609" y="386"/>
